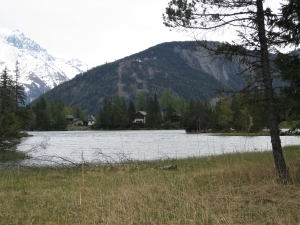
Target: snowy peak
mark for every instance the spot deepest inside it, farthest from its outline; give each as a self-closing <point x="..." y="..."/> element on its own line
<point x="17" y="39"/>
<point x="39" y="71"/>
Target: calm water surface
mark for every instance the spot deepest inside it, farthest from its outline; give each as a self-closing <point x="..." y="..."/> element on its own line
<point x="114" y="146"/>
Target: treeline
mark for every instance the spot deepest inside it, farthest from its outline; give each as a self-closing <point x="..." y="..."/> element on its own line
<point x="52" y="115"/>
<point x="242" y="112"/>
<point x="117" y="115"/>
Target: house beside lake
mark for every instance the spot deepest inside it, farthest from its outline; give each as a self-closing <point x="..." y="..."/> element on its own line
<point x="175" y="118"/>
<point x="140" y="117"/>
<point x="79" y="124"/>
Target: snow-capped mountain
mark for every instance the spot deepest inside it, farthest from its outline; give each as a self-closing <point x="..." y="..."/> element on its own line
<point x="39" y="71"/>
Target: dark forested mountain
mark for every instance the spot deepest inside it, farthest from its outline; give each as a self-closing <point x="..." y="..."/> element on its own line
<point x="182" y="67"/>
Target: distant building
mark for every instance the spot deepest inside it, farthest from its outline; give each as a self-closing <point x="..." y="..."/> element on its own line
<point x="89" y="121"/>
<point x="69" y="118"/>
<point x="140" y="117"/>
<point x="79" y="124"/>
<point x="76" y="122"/>
<point x="176" y="118"/>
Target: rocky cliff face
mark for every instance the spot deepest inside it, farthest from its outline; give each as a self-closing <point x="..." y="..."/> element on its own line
<point x="39" y="71"/>
<point x="202" y="60"/>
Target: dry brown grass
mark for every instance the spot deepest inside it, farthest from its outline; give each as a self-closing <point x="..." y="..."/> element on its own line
<point x="227" y="189"/>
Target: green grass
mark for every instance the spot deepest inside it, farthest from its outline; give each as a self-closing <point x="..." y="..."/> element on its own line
<point x="239" y="188"/>
<point x="6" y="155"/>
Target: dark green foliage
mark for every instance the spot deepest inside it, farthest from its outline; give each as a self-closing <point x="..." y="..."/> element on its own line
<point x="42" y="113"/>
<point x="10" y="125"/>
<point x="199" y="117"/>
<point x="116" y="115"/>
<point x="20" y="96"/>
<point x="168" y="112"/>
<point x="27" y="117"/>
<point x="141" y="105"/>
<point x="57" y="116"/>
<point x="7" y="92"/>
<point x="119" y="114"/>
<point x="13" y="114"/>
<point x="288" y="66"/>
<point x="250" y="112"/>
<point x="153" y="119"/>
<point x="131" y="111"/>
<point x="105" y="115"/>
<point x="288" y="24"/>
<point x="79" y="112"/>
<point x="52" y="115"/>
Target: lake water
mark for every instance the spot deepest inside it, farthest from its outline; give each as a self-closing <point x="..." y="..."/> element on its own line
<point x="68" y="147"/>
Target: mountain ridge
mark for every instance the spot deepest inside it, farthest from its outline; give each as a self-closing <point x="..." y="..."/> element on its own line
<point x="181" y="67"/>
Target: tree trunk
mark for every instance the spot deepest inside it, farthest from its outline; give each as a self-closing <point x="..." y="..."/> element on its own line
<point x="269" y="92"/>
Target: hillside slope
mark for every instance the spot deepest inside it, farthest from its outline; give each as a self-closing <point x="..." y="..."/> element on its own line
<point x="183" y="67"/>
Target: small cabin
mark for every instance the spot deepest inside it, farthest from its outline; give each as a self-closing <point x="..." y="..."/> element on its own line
<point x="89" y="121"/>
<point x="69" y="118"/>
<point x="175" y="118"/>
<point x="76" y="122"/>
<point x="140" y="117"/>
<point x="71" y="121"/>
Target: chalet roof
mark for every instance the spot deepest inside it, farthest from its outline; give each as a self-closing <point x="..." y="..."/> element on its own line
<point x="142" y="112"/>
<point x="76" y="120"/>
<point x="69" y="116"/>
<point x="176" y="115"/>
<point x="91" y="118"/>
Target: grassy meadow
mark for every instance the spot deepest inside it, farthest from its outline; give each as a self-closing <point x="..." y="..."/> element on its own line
<point x="240" y="188"/>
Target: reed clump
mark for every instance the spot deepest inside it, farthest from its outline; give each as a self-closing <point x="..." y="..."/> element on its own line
<point x="240" y="188"/>
<point x="7" y="155"/>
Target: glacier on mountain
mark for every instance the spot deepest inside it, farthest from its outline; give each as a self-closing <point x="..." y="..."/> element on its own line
<point x="39" y="71"/>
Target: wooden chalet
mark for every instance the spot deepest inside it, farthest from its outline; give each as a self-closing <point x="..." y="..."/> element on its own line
<point x="69" y="118"/>
<point x="89" y="121"/>
<point x="76" y="122"/>
<point x="79" y="124"/>
<point x="175" y="118"/>
<point x="140" y="117"/>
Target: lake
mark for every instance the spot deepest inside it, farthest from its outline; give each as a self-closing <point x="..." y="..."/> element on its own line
<point x="67" y="147"/>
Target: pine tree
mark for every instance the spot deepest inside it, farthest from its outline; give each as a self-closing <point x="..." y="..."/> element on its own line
<point x="79" y="113"/>
<point x="257" y="36"/>
<point x="6" y="91"/>
<point x="13" y="117"/>
<point x="105" y="114"/>
<point x="224" y="112"/>
<point x="153" y="118"/>
<point x="131" y="110"/>
<point x="42" y="111"/>
<point x="20" y="96"/>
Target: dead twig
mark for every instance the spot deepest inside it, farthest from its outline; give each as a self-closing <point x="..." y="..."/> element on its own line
<point x="170" y="167"/>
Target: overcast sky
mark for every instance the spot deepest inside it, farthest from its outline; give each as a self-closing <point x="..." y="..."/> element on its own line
<point x="94" y="31"/>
